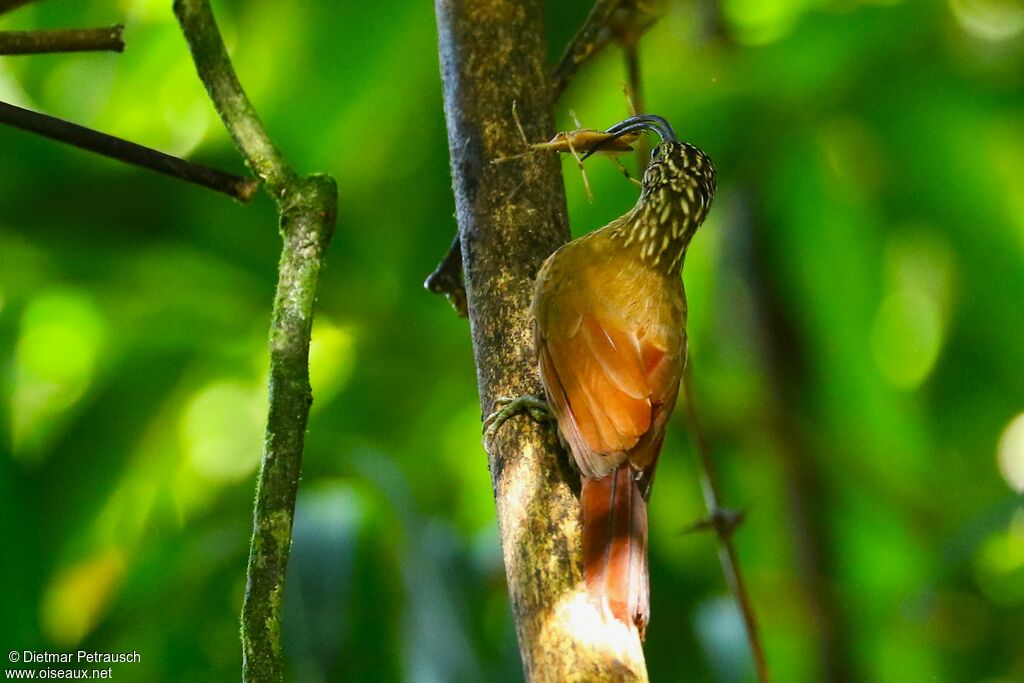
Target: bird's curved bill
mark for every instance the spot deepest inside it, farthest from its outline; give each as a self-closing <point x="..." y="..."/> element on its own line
<point x="635" y="124"/>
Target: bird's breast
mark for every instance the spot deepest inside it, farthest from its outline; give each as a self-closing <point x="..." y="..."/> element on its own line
<point x="597" y="275"/>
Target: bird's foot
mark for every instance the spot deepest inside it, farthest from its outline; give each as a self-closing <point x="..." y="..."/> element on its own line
<point x="507" y="406"/>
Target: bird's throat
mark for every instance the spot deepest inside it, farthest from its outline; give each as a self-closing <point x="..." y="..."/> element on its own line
<point x="659" y="234"/>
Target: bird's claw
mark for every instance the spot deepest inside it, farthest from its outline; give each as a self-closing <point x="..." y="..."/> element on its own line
<point x="504" y="407"/>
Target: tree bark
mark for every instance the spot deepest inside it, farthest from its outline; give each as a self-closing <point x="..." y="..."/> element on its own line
<point x="511" y="217"/>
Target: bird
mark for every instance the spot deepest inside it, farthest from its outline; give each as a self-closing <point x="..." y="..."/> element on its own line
<point x="609" y="320"/>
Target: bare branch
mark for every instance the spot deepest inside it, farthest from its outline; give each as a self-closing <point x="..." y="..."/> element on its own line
<point x="592" y="37"/>
<point x="106" y="39"/>
<point x="128" y="152"/>
<point x="308" y="210"/>
<point x="724" y="522"/>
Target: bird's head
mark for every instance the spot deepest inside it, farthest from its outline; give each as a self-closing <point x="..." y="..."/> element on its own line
<point x="679" y="166"/>
<point x="678" y="185"/>
<point x="676" y="167"/>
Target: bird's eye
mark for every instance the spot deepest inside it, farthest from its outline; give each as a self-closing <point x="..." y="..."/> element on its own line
<point x="656" y="152"/>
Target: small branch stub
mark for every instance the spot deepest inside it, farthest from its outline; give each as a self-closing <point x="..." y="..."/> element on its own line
<point x="447" y="278"/>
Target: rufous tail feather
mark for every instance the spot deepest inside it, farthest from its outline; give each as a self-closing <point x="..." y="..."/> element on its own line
<point x="615" y="546"/>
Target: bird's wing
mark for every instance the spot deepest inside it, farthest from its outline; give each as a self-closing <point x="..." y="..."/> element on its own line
<point x="608" y="386"/>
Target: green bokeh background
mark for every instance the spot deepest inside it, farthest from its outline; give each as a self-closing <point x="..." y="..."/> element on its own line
<point x="857" y="336"/>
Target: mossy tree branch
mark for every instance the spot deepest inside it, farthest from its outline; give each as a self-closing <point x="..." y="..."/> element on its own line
<point x="228" y="97"/>
<point x="511" y="217"/>
<point x="308" y="209"/>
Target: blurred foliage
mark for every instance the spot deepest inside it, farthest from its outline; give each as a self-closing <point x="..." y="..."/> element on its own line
<point x="857" y="336"/>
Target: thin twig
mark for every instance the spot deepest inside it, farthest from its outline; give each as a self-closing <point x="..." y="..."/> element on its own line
<point x="628" y="25"/>
<point x="308" y="209"/>
<point x="107" y="39"/>
<point x="724" y="523"/>
<point x="128" y="152"/>
<point x="808" y="496"/>
<point x="634" y="79"/>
